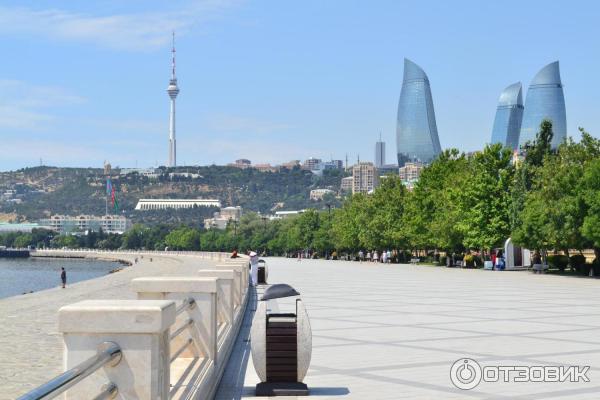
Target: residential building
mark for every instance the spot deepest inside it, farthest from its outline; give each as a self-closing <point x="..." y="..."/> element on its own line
<point x="509" y="115"/>
<point x="411" y="172"/>
<point x="311" y="164"/>
<point x="347" y="184"/>
<point x="291" y="164"/>
<point x="416" y="134"/>
<point x="241" y="163"/>
<point x="545" y="100"/>
<point x="317" y="194"/>
<point x="265" y="168"/>
<point x="163" y="204"/>
<point x="82" y="223"/>
<point x="364" y="178"/>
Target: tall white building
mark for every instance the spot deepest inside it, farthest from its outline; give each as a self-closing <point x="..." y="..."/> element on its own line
<point x="173" y="91"/>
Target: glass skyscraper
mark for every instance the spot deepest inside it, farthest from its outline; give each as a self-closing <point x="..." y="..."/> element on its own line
<point x="545" y="100"/>
<point x="509" y="115"/>
<point x="416" y="134"/>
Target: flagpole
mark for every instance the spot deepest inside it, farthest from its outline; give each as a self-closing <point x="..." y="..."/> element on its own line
<point x="106" y="197"/>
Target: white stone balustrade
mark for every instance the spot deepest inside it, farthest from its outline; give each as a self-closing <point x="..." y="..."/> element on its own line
<point x="141" y="329"/>
<point x="240" y="265"/>
<point x="175" y="338"/>
<point x="228" y="294"/>
<point x="204" y="313"/>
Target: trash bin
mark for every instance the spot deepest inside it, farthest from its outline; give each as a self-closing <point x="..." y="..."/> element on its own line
<point x="263" y="272"/>
<point x="281" y="345"/>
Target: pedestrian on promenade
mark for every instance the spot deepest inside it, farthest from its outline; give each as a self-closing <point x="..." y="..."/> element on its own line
<point x="384" y="257"/>
<point x="376" y="256"/>
<point x="500" y="263"/>
<point x="63" y="277"/>
<point x="254" y="267"/>
<point x="389" y="256"/>
<point x="361" y="256"/>
<point x="368" y="256"/>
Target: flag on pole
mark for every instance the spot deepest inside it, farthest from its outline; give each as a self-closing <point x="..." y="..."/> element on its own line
<point x="113" y="198"/>
<point x="109" y="187"/>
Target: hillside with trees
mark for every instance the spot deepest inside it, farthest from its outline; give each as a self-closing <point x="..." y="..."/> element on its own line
<point x="43" y="191"/>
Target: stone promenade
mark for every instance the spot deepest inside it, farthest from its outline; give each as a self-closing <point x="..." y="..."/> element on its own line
<point x="30" y="346"/>
<point x="393" y="331"/>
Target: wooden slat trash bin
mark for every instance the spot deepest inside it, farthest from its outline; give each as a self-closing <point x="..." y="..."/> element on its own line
<point x="281" y="346"/>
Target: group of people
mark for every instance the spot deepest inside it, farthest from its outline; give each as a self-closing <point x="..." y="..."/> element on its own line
<point x="385" y="256"/>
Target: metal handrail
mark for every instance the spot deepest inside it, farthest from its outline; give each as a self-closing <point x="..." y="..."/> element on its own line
<point x="108" y="353"/>
<point x="188" y="302"/>
<point x="109" y="391"/>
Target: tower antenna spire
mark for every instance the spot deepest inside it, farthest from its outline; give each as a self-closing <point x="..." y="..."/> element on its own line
<point x="173" y="57"/>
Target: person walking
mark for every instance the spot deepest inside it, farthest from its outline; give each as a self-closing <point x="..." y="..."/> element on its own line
<point x="376" y="256"/>
<point x="63" y="277"/>
<point x="361" y="256"/>
<point x="254" y="267"/>
<point x="368" y="256"/>
<point x="384" y="257"/>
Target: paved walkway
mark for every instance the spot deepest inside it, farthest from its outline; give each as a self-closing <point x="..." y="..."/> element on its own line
<point x="393" y="331"/>
<point x="30" y="345"/>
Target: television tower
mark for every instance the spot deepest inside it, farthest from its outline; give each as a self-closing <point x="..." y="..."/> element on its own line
<point x="173" y="91"/>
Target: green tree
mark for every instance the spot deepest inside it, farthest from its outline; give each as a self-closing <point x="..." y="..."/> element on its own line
<point x="485" y="221"/>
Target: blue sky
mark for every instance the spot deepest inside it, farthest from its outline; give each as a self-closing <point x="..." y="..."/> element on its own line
<point x="84" y="82"/>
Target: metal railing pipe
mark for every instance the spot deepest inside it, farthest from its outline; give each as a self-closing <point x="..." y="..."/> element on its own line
<point x="108" y="353"/>
<point x="187" y="303"/>
<point x="109" y="392"/>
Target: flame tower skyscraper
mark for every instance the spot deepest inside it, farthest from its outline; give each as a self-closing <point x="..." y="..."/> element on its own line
<point x="173" y="91"/>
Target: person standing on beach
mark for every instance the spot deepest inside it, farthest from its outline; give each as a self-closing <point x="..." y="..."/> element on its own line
<point x="63" y="277"/>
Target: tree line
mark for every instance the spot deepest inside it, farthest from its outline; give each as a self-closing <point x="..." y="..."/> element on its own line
<point x="546" y="200"/>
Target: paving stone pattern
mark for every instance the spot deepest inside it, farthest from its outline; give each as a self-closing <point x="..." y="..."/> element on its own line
<point x="393" y="331"/>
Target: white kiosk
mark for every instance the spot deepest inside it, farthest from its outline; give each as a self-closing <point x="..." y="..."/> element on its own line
<point x="516" y="257"/>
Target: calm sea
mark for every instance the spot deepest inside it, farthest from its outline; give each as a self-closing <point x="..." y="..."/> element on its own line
<point x="18" y="276"/>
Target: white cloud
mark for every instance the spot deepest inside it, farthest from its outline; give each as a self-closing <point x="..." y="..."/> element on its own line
<point x="134" y="31"/>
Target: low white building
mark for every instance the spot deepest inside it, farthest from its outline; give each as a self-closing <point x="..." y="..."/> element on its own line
<point x="317" y="194"/>
<point x="287" y="214"/>
<point x="150" y="173"/>
<point x="81" y="223"/>
<point x="163" y="204"/>
<point x="221" y="218"/>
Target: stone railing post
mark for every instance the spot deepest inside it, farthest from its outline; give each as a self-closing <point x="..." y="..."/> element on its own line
<point x="227" y="293"/>
<point x="203" y="291"/>
<point x="140" y="328"/>
<point x="242" y="267"/>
